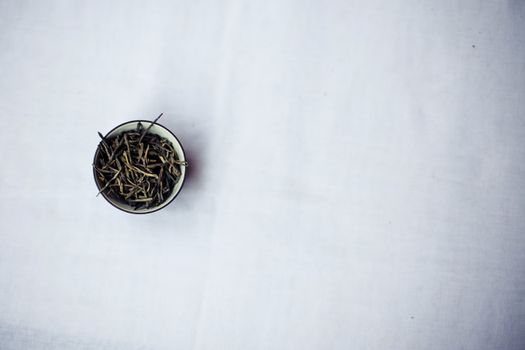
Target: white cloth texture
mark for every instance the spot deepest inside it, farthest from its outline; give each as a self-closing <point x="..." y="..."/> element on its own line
<point x="356" y="179"/>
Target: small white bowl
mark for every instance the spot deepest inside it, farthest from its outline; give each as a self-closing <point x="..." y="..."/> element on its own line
<point x="162" y="131"/>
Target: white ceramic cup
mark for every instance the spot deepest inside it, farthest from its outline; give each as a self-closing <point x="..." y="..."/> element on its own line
<point x="162" y="131"/>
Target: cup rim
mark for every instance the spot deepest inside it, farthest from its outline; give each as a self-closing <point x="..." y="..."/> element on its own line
<point x="164" y="204"/>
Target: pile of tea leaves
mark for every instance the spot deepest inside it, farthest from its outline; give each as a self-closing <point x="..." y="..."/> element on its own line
<point x="137" y="167"/>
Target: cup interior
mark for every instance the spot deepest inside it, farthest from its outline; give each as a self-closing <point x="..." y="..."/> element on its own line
<point x="162" y="132"/>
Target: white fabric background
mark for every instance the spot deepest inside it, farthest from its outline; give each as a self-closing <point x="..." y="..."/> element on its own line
<point x="357" y="175"/>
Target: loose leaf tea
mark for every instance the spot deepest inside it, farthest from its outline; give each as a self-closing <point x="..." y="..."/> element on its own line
<point x="137" y="167"/>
